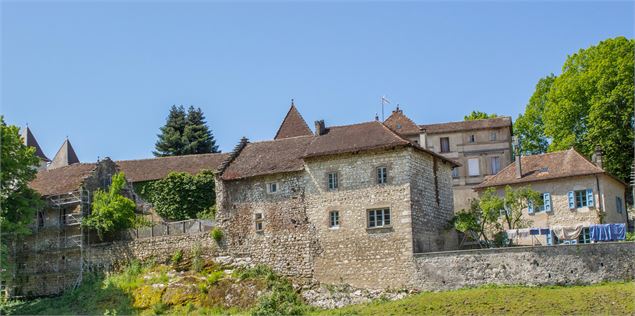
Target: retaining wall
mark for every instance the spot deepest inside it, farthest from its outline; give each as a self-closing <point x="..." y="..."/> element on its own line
<point x="563" y="264"/>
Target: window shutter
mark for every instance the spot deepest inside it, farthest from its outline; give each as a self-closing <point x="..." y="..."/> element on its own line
<point x="530" y="207"/>
<point x="571" y="200"/>
<point x="589" y="197"/>
<point x="547" y="201"/>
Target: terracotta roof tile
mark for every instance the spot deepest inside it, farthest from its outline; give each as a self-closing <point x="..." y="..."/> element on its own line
<point x="356" y="137"/>
<point x="293" y="125"/>
<point x="401" y="124"/>
<point x="158" y="168"/>
<point x="547" y="166"/>
<point x="62" y="180"/>
<point x="503" y="121"/>
<point x="268" y="157"/>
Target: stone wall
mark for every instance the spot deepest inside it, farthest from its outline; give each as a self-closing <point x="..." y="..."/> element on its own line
<point x="564" y="265"/>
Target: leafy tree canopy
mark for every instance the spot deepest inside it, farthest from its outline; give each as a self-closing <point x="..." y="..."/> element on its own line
<point x="589" y="104"/>
<point x="111" y="211"/>
<point x="491" y="214"/>
<point x="181" y="196"/>
<point x="18" y="202"/>
<point x="185" y="133"/>
<point x="478" y="115"/>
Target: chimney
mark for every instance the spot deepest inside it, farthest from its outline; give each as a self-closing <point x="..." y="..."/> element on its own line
<point x="597" y="156"/>
<point x="519" y="169"/>
<point x="423" y="138"/>
<point x="320" y="128"/>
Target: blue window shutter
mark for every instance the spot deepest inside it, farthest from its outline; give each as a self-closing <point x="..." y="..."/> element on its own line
<point x="589" y="197"/>
<point x="547" y="201"/>
<point x="530" y="207"/>
<point x="571" y="200"/>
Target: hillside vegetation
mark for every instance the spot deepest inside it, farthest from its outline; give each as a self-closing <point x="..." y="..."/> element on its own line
<point x="197" y="287"/>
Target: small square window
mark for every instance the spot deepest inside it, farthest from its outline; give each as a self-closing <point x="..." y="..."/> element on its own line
<point x="332" y="181"/>
<point x="581" y="198"/>
<point x="379" y="218"/>
<point x="382" y="175"/>
<point x="472" y="138"/>
<point x="259" y="222"/>
<point x="455" y="172"/>
<point x="492" y="136"/>
<point x="334" y="219"/>
<point x="445" y="144"/>
<point x="619" y="207"/>
<point x="272" y="187"/>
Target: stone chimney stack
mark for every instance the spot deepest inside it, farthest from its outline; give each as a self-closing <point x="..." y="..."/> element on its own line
<point x="598" y="156"/>
<point x="519" y="168"/>
<point x="320" y="128"/>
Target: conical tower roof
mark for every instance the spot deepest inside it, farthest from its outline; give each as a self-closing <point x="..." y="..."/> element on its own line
<point x="293" y="125"/>
<point x="65" y="156"/>
<point x="29" y="140"/>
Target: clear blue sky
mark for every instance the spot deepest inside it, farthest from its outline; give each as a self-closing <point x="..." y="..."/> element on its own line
<point x="105" y="74"/>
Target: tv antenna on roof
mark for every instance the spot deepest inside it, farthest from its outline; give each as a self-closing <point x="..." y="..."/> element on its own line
<point x="384" y="101"/>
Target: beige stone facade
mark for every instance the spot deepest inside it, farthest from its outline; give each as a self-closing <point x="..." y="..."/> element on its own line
<point x="297" y="236"/>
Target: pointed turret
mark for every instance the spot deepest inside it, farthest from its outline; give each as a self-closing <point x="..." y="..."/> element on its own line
<point x="65" y="156"/>
<point x="29" y="140"/>
<point x="293" y="125"/>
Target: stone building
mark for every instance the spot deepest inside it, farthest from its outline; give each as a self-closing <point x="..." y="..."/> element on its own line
<point x="480" y="147"/>
<point x="346" y="204"/>
<point x="575" y="191"/>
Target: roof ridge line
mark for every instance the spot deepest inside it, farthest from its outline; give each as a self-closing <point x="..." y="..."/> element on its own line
<point x="177" y="156"/>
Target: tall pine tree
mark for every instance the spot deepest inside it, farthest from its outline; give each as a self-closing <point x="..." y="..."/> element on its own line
<point x="185" y="134"/>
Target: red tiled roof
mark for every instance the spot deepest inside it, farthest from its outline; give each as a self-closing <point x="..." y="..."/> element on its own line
<point x="356" y="137"/>
<point x="498" y="122"/>
<point x="401" y="124"/>
<point x="560" y="164"/>
<point x="287" y="154"/>
<point x="61" y="180"/>
<point x="158" y="168"/>
<point x="293" y="125"/>
<point x="268" y="157"/>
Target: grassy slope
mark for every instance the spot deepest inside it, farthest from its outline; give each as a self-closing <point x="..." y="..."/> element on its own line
<point x="608" y="298"/>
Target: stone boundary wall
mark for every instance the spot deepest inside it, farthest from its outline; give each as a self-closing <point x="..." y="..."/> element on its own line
<point x="562" y="265"/>
<point x="106" y="256"/>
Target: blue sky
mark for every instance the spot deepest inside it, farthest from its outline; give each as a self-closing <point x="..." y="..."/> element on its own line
<point x="105" y="74"/>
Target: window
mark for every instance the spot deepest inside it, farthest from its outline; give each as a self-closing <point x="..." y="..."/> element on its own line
<point x="580" y="198"/>
<point x="445" y="144"/>
<point x="619" y="207"/>
<point x="545" y="207"/>
<point x="382" y="175"/>
<point x="272" y="187"/>
<point x="332" y="180"/>
<point x="473" y="167"/>
<point x="334" y="219"/>
<point x="40" y="219"/>
<point x="495" y="164"/>
<point x="492" y="136"/>
<point x="585" y="236"/>
<point x="379" y="218"/>
<point x="259" y="222"/>
<point x="455" y="172"/>
<point x="472" y="138"/>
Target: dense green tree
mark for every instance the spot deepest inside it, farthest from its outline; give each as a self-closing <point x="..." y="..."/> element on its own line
<point x="478" y="115"/>
<point x="111" y="211"/>
<point x="185" y="134"/>
<point x="181" y="196"/>
<point x="171" y="141"/>
<point x="529" y="125"/>
<point x="589" y="104"/>
<point x="199" y="138"/>
<point x="18" y="202"/>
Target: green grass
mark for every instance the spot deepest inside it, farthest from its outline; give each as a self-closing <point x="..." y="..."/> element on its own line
<point x="607" y="298"/>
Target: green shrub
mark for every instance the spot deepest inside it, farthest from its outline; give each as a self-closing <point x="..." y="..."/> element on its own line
<point x="215" y="276"/>
<point x="177" y="257"/>
<point x="111" y="211"/>
<point x="181" y="196"/>
<point x="630" y="236"/>
<point x="197" y="260"/>
<point x="217" y="234"/>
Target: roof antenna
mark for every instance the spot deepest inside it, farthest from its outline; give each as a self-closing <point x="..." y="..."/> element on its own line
<point x="376" y="117"/>
<point x="384" y="101"/>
